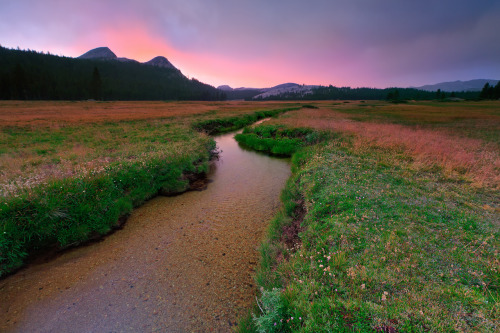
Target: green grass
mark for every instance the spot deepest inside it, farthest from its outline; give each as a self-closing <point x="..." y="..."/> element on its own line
<point x="276" y="139"/>
<point x="378" y="246"/>
<point x="229" y="124"/>
<point x="68" y="211"/>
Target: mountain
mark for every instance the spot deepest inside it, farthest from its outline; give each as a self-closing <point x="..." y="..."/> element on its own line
<point x="98" y="74"/>
<point x="283" y="86"/>
<point x="239" y="93"/>
<point x="160" y="62"/>
<point x="126" y="60"/>
<point x="225" y="88"/>
<point x="263" y="93"/>
<point x="471" y="85"/>
<point x="298" y="92"/>
<point x="294" y="89"/>
<point x="102" y="53"/>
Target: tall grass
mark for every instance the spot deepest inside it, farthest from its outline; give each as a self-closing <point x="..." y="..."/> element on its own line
<point x="57" y="114"/>
<point x="67" y="211"/>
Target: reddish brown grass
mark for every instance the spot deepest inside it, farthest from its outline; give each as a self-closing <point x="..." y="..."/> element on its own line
<point x="442" y="146"/>
<point x="23" y="166"/>
<point x="458" y="156"/>
<point x="55" y="114"/>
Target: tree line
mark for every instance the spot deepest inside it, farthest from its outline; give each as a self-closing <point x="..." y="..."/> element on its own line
<point x="490" y="92"/>
<point x="392" y="94"/>
<point x="37" y="76"/>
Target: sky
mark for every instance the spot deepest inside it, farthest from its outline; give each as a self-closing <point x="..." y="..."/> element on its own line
<point x="262" y="43"/>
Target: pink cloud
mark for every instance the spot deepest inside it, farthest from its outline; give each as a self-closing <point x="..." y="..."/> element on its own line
<point x="137" y="42"/>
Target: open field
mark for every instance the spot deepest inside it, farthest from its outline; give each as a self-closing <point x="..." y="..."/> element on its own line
<point x="47" y="140"/>
<point x="56" y="114"/>
<point x="390" y="224"/>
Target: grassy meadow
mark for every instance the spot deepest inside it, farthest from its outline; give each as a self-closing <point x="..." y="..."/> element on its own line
<point x="390" y="220"/>
<point x="70" y="171"/>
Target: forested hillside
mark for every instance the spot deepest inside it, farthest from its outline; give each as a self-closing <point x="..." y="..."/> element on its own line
<point x="37" y="76"/>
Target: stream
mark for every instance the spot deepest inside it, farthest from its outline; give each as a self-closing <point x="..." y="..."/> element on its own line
<point x="180" y="264"/>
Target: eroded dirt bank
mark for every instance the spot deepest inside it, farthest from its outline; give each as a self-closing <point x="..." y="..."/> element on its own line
<point x="180" y="264"/>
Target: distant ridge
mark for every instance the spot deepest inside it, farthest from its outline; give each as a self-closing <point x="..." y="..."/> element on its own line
<point x="225" y="88"/>
<point x="471" y="85"/>
<point x="262" y="93"/>
<point x="286" y="88"/>
<point x="126" y="60"/>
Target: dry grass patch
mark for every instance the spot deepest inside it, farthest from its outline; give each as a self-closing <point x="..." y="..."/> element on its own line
<point x="57" y="114"/>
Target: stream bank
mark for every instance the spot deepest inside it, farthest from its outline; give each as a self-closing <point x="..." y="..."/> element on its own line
<point x="182" y="263"/>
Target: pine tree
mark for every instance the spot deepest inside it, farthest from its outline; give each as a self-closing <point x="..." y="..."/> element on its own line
<point x="396" y="95"/>
<point x="438" y="94"/>
<point x="96" y="85"/>
<point x="496" y="91"/>
<point x="487" y="92"/>
<point x="19" y="79"/>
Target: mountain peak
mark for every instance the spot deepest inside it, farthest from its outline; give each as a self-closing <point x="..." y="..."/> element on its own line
<point x="225" y="87"/>
<point x="160" y="62"/>
<point x="103" y="53"/>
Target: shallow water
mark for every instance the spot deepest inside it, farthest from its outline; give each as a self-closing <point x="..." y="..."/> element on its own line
<point x="181" y="263"/>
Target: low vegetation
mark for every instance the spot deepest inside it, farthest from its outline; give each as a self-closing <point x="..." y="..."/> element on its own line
<point x="229" y="124"/>
<point x="461" y="139"/>
<point x="390" y="221"/>
<point x="64" y="182"/>
<point x="381" y="232"/>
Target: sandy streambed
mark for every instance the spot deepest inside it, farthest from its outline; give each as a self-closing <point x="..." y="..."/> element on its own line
<point x="181" y="263"/>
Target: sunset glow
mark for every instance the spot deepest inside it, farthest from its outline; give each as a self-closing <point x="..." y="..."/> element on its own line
<point x="261" y="44"/>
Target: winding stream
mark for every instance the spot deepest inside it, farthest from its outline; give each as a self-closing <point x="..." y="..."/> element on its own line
<point x="181" y="263"/>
